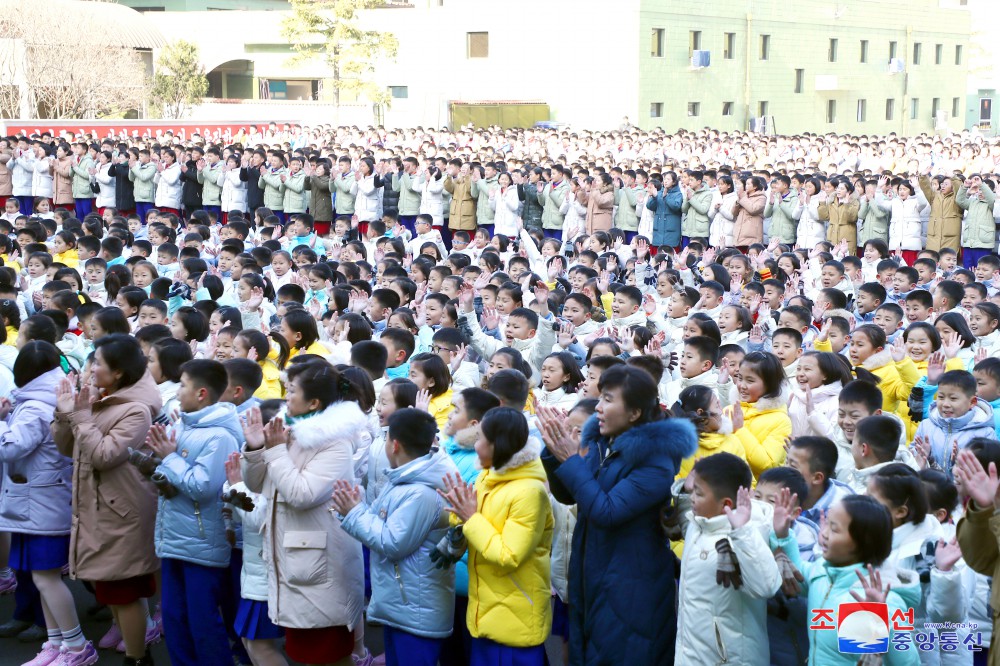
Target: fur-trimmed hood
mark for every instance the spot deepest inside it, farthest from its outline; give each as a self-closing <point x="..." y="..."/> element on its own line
<point x="877" y="360"/>
<point x="532" y="450"/>
<point x="671" y="437"/>
<point x="765" y="404"/>
<point x="341" y="420"/>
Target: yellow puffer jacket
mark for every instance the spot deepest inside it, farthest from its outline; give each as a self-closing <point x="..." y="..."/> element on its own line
<point x="710" y="443"/>
<point x="510" y="538"/>
<point x="897" y="380"/>
<point x="766" y="424"/>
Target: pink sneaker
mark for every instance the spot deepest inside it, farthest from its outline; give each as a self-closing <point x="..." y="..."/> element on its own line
<point x="110" y="639"/>
<point x="8" y="583"/>
<point x="366" y="660"/>
<point x="85" y="657"/>
<point x="153" y="636"/>
<point x="49" y="655"/>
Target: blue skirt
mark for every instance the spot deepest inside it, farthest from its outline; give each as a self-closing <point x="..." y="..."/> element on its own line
<point x="252" y="622"/>
<point x="37" y="552"/>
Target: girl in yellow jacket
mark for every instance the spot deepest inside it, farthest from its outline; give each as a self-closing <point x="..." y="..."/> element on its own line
<point x="432" y="377"/>
<point x="507" y="522"/>
<point x="760" y="418"/>
<point x="271" y="355"/>
<point x="701" y="405"/>
<point x="64" y="249"/>
<point x="896" y="373"/>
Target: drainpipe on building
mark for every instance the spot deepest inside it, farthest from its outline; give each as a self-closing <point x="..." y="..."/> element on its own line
<point x="746" y="74"/>
<point x="907" y="58"/>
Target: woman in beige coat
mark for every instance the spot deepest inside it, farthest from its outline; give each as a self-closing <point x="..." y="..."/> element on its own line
<point x="62" y="177"/>
<point x="114" y="508"/>
<point x="316" y="573"/>
<point x="600" y="202"/>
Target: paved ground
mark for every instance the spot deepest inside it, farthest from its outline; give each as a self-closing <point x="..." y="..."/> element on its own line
<point x="13" y="653"/>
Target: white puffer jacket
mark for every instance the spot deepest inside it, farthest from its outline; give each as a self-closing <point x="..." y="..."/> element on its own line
<point x="169" y="187"/>
<point x="906" y="228"/>
<point x="820" y="422"/>
<point x="506" y="211"/>
<point x="234" y="191"/>
<point x="367" y="205"/>
<point x="723" y="220"/>
<point x="723" y="625"/>
<point x="106" y="197"/>
<point x="811" y="229"/>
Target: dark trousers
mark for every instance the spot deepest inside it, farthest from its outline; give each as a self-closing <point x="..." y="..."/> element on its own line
<point x="83" y="207"/>
<point x="405" y="649"/>
<point x="142" y="208"/>
<point x="27" y="204"/>
<point x="192" y="623"/>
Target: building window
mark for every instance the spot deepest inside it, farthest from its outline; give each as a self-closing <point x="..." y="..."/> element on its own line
<point x="935" y="107"/>
<point x="657" y="46"/>
<point x="914" y="108"/>
<point x="892" y="50"/>
<point x="800" y="75"/>
<point x="399" y="92"/>
<point x="938" y="53"/>
<point x="729" y="46"/>
<point x="958" y="54"/>
<point x="656" y="110"/>
<point x="831" y="110"/>
<point x="862" y="110"/>
<point x="956" y="107"/>
<point x="864" y="51"/>
<point x="727" y="108"/>
<point x="477" y="45"/>
<point x="765" y="47"/>
<point x="890" y="109"/>
<point x="761" y="109"/>
<point x="694" y="42"/>
<point x="694" y="109"/>
<point x="916" y="53"/>
<point x="831" y="54"/>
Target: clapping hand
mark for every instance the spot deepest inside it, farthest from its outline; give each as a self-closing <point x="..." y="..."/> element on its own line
<point x="345" y="496"/>
<point x="558" y="439"/>
<point x="234" y="474"/>
<point x="461" y="497"/>
<point x="161" y="442"/>
<point x="974" y="482"/>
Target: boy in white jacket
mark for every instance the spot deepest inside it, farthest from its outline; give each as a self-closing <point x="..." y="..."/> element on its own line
<point x="725" y="622"/>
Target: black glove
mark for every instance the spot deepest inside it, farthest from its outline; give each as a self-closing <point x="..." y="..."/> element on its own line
<point x="728" y="572"/>
<point x="916" y="404"/>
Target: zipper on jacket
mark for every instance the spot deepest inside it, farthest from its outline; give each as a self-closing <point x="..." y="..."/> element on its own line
<point x="197" y="514"/>
<point x="521" y="589"/>
<point x="723" y="656"/>
<point x="399" y="580"/>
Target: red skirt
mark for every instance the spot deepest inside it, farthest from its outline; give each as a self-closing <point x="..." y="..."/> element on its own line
<point x="124" y="592"/>
<point x="319" y="646"/>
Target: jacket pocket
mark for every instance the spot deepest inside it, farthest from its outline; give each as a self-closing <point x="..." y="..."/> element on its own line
<point x="15" y="501"/>
<point x="111" y="499"/>
<point x="719" y="644"/>
<point x="305" y="556"/>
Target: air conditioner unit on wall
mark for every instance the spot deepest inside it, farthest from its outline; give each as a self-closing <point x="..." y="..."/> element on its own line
<point x="701" y="59"/>
<point x="896" y="66"/>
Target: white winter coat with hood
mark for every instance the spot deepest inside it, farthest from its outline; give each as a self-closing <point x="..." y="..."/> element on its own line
<point x="811" y="229"/>
<point x="906" y="228"/>
<point x="723" y="220"/>
<point x="106" y="197"/>
<point x="234" y="191"/>
<point x="824" y="414"/>
<point x="316" y="572"/>
<point x="169" y="187"/>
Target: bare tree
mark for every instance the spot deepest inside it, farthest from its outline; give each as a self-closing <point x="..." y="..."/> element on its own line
<point x="71" y="64"/>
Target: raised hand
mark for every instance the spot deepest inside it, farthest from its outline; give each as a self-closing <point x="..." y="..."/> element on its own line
<point x="649" y="305"/>
<point x="784" y="512"/>
<point x="757" y="334"/>
<point x="275" y="433"/>
<point x="873" y="590"/>
<point x="974" y="482"/>
<point x="951" y="344"/>
<point x="491" y="318"/>
<point x="810" y="405"/>
<point x="566" y="334"/>
<point x="824" y="333"/>
<point x="947" y="554"/>
<point x="922" y="451"/>
<point x="234" y="474"/>
<point x="458" y="357"/>
<point x="897" y="350"/>
<point x="738" y="419"/>
<point x="423" y="401"/>
<point x="740" y="516"/>
<point x="253" y="429"/>
<point x="935" y="367"/>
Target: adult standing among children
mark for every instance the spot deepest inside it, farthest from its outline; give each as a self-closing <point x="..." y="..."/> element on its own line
<point x="114" y="508"/>
<point x="618" y="473"/>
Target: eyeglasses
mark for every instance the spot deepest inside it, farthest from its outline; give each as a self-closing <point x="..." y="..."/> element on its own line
<point x="437" y="349"/>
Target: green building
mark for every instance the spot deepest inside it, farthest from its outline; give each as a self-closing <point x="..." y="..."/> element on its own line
<point x="844" y="66"/>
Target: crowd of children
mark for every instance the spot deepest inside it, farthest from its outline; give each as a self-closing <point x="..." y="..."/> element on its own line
<point x="505" y="410"/>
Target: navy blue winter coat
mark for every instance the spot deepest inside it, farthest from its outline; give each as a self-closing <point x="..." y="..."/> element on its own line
<point x="621" y="577"/>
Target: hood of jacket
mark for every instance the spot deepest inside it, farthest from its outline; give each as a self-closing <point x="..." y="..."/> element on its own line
<point x="42" y="388"/>
<point x="219" y="415"/>
<point x="671" y="437"/>
<point x="909" y="538"/>
<point x="821" y="393"/>
<point x="763" y="404"/>
<point x="427" y="470"/>
<point x="980" y="415"/>
<point x="341" y="419"/>
<point x="877" y="360"/>
<point x="525" y="464"/>
<point x="463" y="440"/>
<point x="144" y="392"/>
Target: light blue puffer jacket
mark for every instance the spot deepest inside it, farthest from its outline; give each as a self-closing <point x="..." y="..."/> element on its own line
<point x="943" y="433"/>
<point x="42" y="505"/>
<point x="401" y="528"/>
<point x="189" y="525"/>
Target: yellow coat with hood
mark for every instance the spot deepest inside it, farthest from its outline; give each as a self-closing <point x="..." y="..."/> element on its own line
<point x="510" y="538"/>
<point x="710" y="443"/>
<point x="766" y="425"/>
<point x="896" y="381"/>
